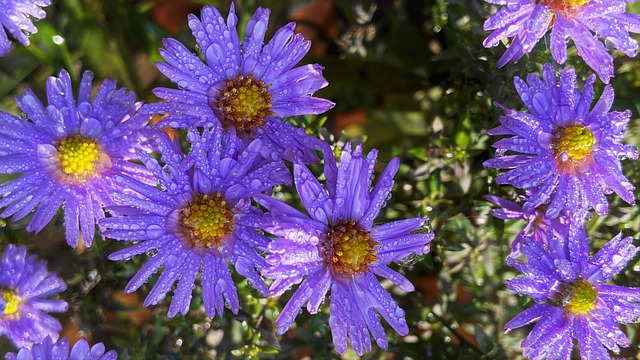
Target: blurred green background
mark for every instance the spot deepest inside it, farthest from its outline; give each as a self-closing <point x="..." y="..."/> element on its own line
<point x="409" y="78"/>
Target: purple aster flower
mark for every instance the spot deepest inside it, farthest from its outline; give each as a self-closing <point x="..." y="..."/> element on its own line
<point x="25" y="285"/>
<point x="248" y="86"/>
<point x="564" y="151"/>
<point x="584" y="21"/>
<point x="537" y="226"/>
<point x="15" y="16"/>
<point x="199" y="217"/>
<point x="68" y="153"/>
<point x="573" y="300"/>
<point x="337" y="247"/>
<point x="60" y="351"/>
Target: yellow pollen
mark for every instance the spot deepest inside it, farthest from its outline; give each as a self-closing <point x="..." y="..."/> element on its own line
<point x="565" y="7"/>
<point x="350" y="249"/>
<point x="11" y="307"/>
<point x="576" y="141"/>
<point x="78" y="156"/>
<point x="206" y="221"/>
<point x="580" y="297"/>
<point x="245" y="103"/>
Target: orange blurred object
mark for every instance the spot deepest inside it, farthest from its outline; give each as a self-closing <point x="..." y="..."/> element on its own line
<point x="317" y="21"/>
<point x="173" y="133"/>
<point x="70" y="330"/>
<point x="172" y="14"/>
<point x="136" y="313"/>
<point x="343" y="120"/>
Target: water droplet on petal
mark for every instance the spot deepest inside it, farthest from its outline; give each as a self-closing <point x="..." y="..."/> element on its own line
<point x="399" y="312"/>
<point x="256" y="184"/>
<point x="59" y="86"/>
<point x="154" y="231"/>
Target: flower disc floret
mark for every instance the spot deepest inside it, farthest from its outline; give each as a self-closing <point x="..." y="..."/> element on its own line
<point x="68" y="151"/>
<point x="206" y="221"/>
<point x="587" y="23"/>
<point x="78" y="156"/>
<point x="564" y="152"/>
<point x="337" y="249"/>
<point x="580" y="297"/>
<point x="198" y="220"/>
<point x="537" y="225"/>
<point x="12" y="302"/>
<point x="573" y="302"/>
<point x="565" y="7"/>
<point x="575" y="141"/>
<point x="26" y="288"/>
<point x="247" y="84"/>
<point x="245" y="103"/>
<point x="351" y="248"/>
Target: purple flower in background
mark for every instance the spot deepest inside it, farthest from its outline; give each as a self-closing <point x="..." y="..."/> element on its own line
<point x="583" y="21"/>
<point x="68" y="153"/>
<point x="537" y="226"/>
<point x="25" y="285"/>
<point x="572" y="298"/>
<point x="199" y="217"/>
<point x="60" y="351"/>
<point x="246" y="86"/>
<point x="337" y="247"/>
<point x="564" y="151"/>
<point x="15" y="16"/>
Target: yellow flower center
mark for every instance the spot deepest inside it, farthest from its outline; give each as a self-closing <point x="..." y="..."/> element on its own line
<point x="350" y="249"/>
<point x="206" y="221"/>
<point x="78" y="157"/>
<point x="13" y="300"/>
<point x="580" y="297"/>
<point x="564" y="7"/>
<point x="575" y="141"/>
<point x="245" y="103"/>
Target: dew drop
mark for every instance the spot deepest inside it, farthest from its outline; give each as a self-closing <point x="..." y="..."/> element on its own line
<point x="221" y="285"/>
<point x="59" y="86"/>
<point x="154" y="231"/>
<point x="256" y="184"/>
<point x="399" y="312"/>
<point x="84" y="109"/>
<point x="601" y="209"/>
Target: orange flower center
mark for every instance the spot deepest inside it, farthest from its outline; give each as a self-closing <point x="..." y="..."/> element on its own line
<point x="206" y="221"/>
<point x="245" y="103"/>
<point x="350" y="249"/>
<point x="567" y="8"/>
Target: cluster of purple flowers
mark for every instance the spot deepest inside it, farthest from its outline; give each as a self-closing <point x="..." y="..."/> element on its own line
<point x="196" y="212"/>
<point x="566" y="155"/>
